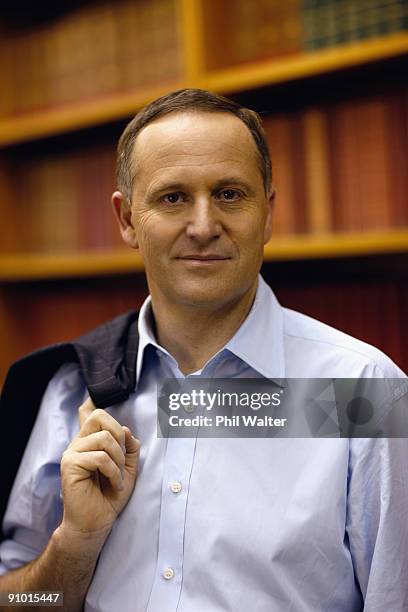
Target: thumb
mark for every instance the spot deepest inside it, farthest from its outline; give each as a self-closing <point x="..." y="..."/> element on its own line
<point x="85" y="410"/>
<point x="132" y="445"/>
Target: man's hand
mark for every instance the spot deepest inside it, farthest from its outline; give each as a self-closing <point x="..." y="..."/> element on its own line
<point x="98" y="472"/>
<point x="94" y="494"/>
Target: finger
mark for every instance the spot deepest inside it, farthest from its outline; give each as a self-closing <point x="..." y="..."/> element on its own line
<point x="132" y="450"/>
<point x="85" y="410"/>
<point x="98" y="420"/>
<point x="100" y="440"/>
<point x="91" y="461"/>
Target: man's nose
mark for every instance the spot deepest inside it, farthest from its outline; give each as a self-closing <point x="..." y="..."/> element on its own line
<point x="204" y="222"/>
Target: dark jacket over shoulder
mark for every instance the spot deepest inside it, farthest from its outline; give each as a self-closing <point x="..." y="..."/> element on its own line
<point x="107" y="361"/>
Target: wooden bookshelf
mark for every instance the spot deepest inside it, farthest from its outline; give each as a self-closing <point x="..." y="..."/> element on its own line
<point x="30" y="152"/>
<point x="68" y="118"/>
<point x="35" y="266"/>
<point x="305" y="65"/>
<point x="337" y="245"/>
<point x="32" y="267"/>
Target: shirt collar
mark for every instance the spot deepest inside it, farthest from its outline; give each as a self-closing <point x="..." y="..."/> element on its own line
<point x="146" y="334"/>
<point x="258" y="342"/>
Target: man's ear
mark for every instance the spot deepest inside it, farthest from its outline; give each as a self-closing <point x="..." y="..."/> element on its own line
<point x="269" y="215"/>
<point x="123" y="212"/>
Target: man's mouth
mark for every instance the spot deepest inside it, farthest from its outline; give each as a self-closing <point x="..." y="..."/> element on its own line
<point x="201" y="257"/>
<point x="203" y="261"/>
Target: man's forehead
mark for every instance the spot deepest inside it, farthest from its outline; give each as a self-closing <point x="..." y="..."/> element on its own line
<point x="212" y="131"/>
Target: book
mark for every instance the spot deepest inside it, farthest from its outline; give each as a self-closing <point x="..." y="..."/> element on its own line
<point x="368" y="162"/>
<point x="327" y="23"/>
<point x="246" y="31"/>
<point x="286" y="150"/>
<point x="90" y="51"/>
<point x="317" y="169"/>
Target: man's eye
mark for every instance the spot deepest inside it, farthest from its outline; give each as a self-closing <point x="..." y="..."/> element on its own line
<point x="172" y="198"/>
<point x="230" y="194"/>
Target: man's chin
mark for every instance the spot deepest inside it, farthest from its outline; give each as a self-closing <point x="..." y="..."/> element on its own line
<point x="201" y="298"/>
<point x="207" y="294"/>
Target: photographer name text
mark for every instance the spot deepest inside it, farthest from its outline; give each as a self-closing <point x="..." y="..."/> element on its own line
<point x="224" y="421"/>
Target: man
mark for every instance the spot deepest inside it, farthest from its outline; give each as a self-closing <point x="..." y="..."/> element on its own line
<point x="212" y="524"/>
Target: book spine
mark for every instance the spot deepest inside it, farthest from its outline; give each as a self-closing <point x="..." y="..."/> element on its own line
<point x="279" y="133"/>
<point x="339" y="16"/>
<point x="397" y="155"/>
<point x="374" y="173"/>
<point x="372" y="17"/>
<point x="287" y="153"/>
<point x="394" y="15"/>
<point x="317" y="170"/>
<point x="7" y="92"/>
<point x="345" y="180"/>
<point x="311" y="27"/>
<point x="352" y="20"/>
<point x="265" y="29"/>
<point x="11" y="238"/>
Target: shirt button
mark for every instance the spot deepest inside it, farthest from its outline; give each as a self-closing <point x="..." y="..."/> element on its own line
<point x="176" y="487"/>
<point x="168" y="573"/>
<point x="189" y="408"/>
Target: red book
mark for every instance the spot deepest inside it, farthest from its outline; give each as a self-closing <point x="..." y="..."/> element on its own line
<point x="345" y="179"/>
<point x="285" y="144"/>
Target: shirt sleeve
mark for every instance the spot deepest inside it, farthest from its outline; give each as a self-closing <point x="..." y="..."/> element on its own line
<point x="34" y="508"/>
<point x="377" y="518"/>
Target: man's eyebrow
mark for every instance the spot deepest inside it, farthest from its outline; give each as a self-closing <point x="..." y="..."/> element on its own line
<point x="165" y="187"/>
<point x="233" y="181"/>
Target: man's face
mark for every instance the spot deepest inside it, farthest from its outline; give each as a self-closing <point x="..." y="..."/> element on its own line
<point x="199" y="214"/>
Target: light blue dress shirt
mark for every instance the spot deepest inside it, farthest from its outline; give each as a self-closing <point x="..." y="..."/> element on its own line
<point x="231" y="525"/>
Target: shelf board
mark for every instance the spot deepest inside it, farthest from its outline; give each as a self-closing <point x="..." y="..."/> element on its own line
<point x="32" y="267"/>
<point x="299" y="66"/>
<point x="332" y="245"/>
<point x="53" y="121"/>
<point x="71" y="117"/>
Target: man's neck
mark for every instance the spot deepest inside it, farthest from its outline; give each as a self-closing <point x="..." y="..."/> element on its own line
<point x="192" y="335"/>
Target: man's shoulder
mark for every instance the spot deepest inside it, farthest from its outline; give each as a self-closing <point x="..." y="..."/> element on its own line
<point x="331" y="352"/>
<point x="67" y="380"/>
<point x="58" y="409"/>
